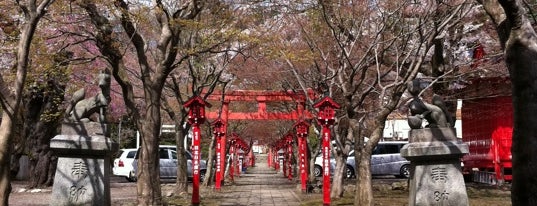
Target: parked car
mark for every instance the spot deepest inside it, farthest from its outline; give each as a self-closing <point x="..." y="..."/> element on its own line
<point x="318" y="169"/>
<point x="168" y="163"/>
<point x="123" y="164"/>
<point x="386" y="159"/>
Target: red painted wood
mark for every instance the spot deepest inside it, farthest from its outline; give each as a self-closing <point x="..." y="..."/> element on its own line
<point x="196" y="164"/>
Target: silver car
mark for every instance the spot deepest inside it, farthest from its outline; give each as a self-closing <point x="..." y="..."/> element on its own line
<point x="385" y="160"/>
<point x="168" y="163"/>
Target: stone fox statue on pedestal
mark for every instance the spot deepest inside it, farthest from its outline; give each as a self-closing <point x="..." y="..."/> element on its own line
<point x="80" y="109"/>
<point x="436" y="113"/>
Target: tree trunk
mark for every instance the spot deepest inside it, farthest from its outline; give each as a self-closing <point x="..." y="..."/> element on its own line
<point x="520" y="57"/>
<point x="5" y="156"/>
<point x="41" y="167"/>
<point x="518" y="38"/>
<point x="364" y="191"/>
<point x="41" y="159"/>
<point x="441" y="86"/>
<point x="344" y="137"/>
<point x="312" y="154"/>
<point x="41" y="124"/>
<point x="181" y="180"/>
<point x="227" y="162"/>
<point x="311" y="167"/>
<point x="209" y="174"/>
<point x="5" y="133"/>
<point x="18" y="145"/>
<point x="149" y="191"/>
<point x="336" y="190"/>
<point x="148" y="185"/>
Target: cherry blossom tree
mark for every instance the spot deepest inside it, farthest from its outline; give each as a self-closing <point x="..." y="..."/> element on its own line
<point x="11" y="95"/>
<point x="362" y="54"/>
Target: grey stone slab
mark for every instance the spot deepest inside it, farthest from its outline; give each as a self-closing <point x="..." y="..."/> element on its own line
<point x="76" y="145"/>
<point x="438" y="184"/>
<point x="83" y="173"/>
<point x="81" y="181"/>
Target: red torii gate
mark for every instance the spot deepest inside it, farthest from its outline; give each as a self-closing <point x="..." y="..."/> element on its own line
<point x="261" y="97"/>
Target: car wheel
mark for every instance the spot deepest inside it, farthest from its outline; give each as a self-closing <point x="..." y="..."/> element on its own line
<point x="404" y="171"/>
<point x="202" y="175"/>
<point x="131" y="177"/>
<point x="349" y="172"/>
<point x="318" y="171"/>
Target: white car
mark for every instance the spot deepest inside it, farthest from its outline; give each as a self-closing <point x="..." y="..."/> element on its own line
<point x="318" y="170"/>
<point x="123" y="164"/>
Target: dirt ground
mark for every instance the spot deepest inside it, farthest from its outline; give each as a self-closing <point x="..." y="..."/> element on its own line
<point x="387" y="192"/>
<point x="393" y="192"/>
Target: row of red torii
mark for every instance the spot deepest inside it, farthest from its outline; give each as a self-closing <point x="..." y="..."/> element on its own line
<point x="325" y="117"/>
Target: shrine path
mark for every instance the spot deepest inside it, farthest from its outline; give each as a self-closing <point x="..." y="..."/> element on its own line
<point x="260" y="185"/>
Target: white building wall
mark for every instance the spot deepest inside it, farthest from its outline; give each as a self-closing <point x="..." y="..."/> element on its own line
<point x="398" y="129"/>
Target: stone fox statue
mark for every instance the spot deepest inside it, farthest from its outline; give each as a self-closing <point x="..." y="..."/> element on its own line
<point x="80" y="109"/>
<point x="436" y="113"/>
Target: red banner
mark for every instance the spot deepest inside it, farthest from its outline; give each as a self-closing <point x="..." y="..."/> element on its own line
<point x="302" y="162"/>
<point x="218" y="165"/>
<point x="326" y="165"/>
<point x="196" y="164"/>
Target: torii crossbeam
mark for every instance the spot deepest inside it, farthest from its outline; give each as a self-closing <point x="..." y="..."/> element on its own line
<point x="262" y="97"/>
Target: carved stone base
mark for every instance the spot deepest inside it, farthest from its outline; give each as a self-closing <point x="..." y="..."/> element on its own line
<point x="437" y="184"/>
<point x="436" y="177"/>
<point x="81" y="181"/>
<point x="83" y="172"/>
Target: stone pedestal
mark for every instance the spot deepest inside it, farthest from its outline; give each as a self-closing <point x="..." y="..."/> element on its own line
<point x="436" y="177"/>
<point x="83" y="171"/>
